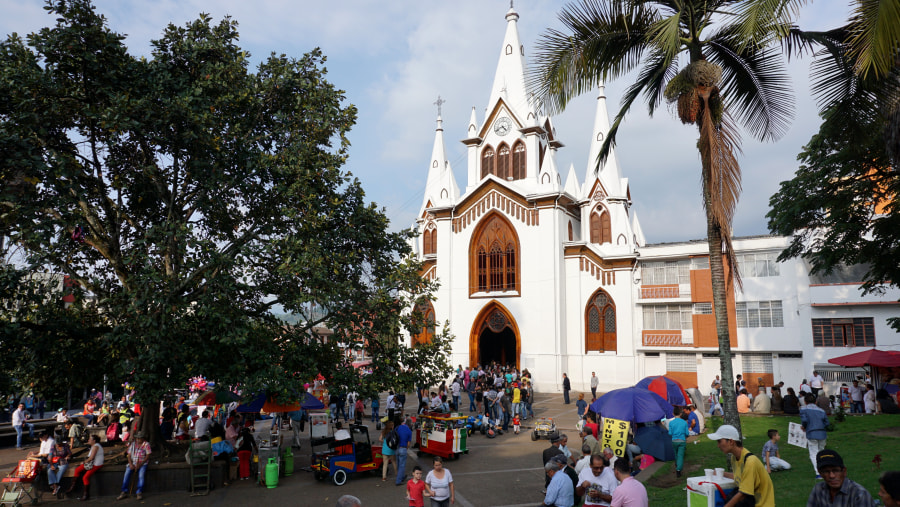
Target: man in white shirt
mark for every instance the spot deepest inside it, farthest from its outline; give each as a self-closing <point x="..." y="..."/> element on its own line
<point x="48" y="443"/>
<point x="201" y="427"/>
<point x="596" y="482"/>
<point x="856" y="398"/>
<point x="817" y="383"/>
<point x="595" y="382"/>
<point x="585" y="459"/>
<point x="19" y="418"/>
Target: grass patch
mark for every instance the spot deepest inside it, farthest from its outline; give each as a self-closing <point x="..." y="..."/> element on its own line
<point x="853" y="439"/>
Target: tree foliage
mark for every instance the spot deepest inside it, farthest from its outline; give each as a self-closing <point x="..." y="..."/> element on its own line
<point x="188" y="196"/>
<point x="842" y="205"/>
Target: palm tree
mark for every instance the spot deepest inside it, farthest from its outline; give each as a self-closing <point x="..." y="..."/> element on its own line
<point x="734" y="73"/>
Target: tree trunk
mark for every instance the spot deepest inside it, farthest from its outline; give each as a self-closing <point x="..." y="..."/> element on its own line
<point x="149" y="424"/>
<point x="720" y="307"/>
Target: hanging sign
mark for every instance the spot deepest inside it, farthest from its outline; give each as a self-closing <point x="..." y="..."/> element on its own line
<point x="615" y="435"/>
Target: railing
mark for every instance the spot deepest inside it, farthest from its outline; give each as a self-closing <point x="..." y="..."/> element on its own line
<point x="661" y="293"/>
<point x="665" y="340"/>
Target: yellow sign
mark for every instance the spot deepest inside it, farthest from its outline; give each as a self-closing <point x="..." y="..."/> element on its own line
<point x="615" y="435"/>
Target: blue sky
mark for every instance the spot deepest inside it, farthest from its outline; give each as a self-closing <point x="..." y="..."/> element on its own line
<point x="394" y="58"/>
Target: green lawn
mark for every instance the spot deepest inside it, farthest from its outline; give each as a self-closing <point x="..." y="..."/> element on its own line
<point x="852" y="439"/>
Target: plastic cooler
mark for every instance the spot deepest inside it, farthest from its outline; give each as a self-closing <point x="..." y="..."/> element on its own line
<point x="702" y="492"/>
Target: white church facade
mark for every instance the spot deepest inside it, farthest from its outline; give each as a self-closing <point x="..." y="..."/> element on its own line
<point x="552" y="272"/>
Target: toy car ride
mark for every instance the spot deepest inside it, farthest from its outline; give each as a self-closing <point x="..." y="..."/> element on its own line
<point x="343" y="457"/>
<point x="544" y="427"/>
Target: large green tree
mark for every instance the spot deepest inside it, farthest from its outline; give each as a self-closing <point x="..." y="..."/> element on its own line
<point x="190" y="197"/>
<point x="716" y="60"/>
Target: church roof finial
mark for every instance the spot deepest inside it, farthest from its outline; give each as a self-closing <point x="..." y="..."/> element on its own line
<point x="439" y="102"/>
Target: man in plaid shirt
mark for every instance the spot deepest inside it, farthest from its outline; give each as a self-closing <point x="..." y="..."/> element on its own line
<point x="138" y="459"/>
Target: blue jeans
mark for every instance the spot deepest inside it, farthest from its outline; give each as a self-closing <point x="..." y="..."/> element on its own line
<point x="471" y="402"/>
<point x="140" y="482"/>
<point x="374" y="414"/>
<point x="21" y="429"/>
<point x="401" y="464"/>
<point x="529" y="410"/>
<point x="456" y="403"/>
<point x="54" y="477"/>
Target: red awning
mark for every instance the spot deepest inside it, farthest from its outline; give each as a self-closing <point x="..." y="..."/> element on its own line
<point x="360" y="364"/>
<point x="872" y="357"/>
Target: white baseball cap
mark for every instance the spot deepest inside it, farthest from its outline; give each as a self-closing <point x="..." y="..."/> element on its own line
<point x="726" y="431"/>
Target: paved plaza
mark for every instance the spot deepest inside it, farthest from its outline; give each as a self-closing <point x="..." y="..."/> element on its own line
<point x="505" y="471"/>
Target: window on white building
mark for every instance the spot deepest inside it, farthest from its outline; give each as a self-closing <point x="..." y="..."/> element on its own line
<point x="667" y="317"/>
<point x="681" y="362"/>
<point x="699" y="262"/>
<point x="756" y="363"/>
<point x="666" y="272"/>
<point x="759" y="314"/>
<point x="758" y="264"/>
<point x="703" y="309"/>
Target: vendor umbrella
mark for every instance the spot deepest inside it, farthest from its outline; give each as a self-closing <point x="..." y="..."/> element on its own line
<point x="310" y="402"/>
<point x="671" y="390"/>
<point x="871" y="357"/>
<point x="263" y="402"/>
<point x="216" y="398"/>
<point x="254" y="405"/>
<point x="631" y="404"/>
<point x="655" y="441"/>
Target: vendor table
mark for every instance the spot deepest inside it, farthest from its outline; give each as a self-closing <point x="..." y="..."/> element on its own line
<point x="701" y="491"/>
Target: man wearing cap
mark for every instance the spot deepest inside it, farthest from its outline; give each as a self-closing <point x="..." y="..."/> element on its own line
<point x="837" y="489"/>
<point x="550" y="452"/>
<point x="138" y="459"/>
<point x="597" y="483"/>
<point x="749" y="472"/>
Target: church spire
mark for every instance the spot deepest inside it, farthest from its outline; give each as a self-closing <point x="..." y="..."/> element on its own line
<point x="440" y="186"/>
<point x="509" y="79"/>
<point x="609" y="174"/>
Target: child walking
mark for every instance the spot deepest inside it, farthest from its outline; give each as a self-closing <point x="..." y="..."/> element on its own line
<point x="771" y="456"/>
<point x="416" y="489"/>
<point x="516" y="423"/>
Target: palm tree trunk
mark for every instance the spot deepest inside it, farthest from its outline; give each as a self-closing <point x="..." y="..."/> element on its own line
<point x="720" y="306"/>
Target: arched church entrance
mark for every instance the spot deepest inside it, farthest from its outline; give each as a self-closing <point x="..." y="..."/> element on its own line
<point x="494" y="337"/>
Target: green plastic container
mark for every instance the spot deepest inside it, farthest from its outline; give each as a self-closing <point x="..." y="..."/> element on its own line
<point x="272" y="473"/>
<point x="288" y="457"/>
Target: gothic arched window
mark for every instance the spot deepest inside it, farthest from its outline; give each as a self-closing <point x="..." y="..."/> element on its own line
<point x="429" y="241"/>
<point x="487" y="162"/>
<point x="518" y="161"/>
<point x="600" y="323"/>
<point x="503" y="159"/>
<point x="600" y="227"/>
<point x="494" y="256"/>
<point x="424" y="318"/>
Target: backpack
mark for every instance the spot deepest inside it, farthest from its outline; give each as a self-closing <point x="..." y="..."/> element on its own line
<point x="393" y="440"/>
<point x="112" y="432"/>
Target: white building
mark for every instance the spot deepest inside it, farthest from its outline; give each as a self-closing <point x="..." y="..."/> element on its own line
<point x="555" y="275"/>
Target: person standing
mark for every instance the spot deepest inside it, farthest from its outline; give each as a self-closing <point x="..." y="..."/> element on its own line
<point x="559" y="492"/>
<point x="440" y="482"/>
<point x="595" y="382"/>
<point x="454" y="393"/>
<point x="813" y="421"/>
<point x="749" y="472"/>
<point x="581" y="406"/>
<point x="20" y="422"/>
<point x="817" y="383"/>
<point x="678" y="429"/>
<point x="836" y="489"/>
<point x="737" y="383"/>
<point x="404" y="434"/>
<point x="856" y="398"/>
<point x="567" y="386"/>
<point x="138" y="460"/>
<point x="550" y="452"/>
<point x="630" y="492"/>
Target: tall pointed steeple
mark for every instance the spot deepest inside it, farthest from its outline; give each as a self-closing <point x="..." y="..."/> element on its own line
<point x="509" y="79"/>
<point x="610" y="175"/>
<point x="440" y="186"/>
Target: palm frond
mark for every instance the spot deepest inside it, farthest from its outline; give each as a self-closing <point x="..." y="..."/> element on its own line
<point x="601" y="41"/>
<point x="719" y="147"/>
<point x="755" y="85"/>
<point x="761" y="22"/>
<point x="665" y="34"/>
<point x="657" y="71"/>
<point x="800" y="43"/>
<point x="875" y="36"/>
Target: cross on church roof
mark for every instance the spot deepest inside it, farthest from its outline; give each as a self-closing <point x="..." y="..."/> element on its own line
<point x="439" y="102"/>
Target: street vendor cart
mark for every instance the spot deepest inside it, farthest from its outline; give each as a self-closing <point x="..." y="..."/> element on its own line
<point x="442" y="434"/>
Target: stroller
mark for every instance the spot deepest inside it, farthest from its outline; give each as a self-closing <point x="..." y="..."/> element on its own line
<point x="20" y="485"/>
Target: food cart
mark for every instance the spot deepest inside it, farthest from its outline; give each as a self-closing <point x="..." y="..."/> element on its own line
<point x="442" y="434"/>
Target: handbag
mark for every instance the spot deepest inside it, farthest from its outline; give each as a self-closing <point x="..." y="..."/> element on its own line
<point x="88" y="465"/>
